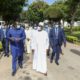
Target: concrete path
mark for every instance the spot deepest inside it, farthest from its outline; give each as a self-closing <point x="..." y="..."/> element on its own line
<point x="69" y="68"/>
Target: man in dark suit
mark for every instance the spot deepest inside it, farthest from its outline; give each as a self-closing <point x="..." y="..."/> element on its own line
<point x="5" y="40"/>
<point x="1" y="33"/>
<point x="57" y="38"/>
<point x="1" y="37"/>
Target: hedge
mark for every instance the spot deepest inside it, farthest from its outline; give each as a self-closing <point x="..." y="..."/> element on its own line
<point x="76" y="34"/>
<point x="77" y="28"/>
<point x="72" y="39"/>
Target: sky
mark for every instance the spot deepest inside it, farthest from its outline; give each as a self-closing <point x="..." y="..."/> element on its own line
<point x="48" y="1"/>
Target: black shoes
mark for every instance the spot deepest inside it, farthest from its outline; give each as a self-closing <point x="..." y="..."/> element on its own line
<point x="6" y="55"/>
<point x="13" y="73"/>
<point x="45" y="74"/>
<point x="21" y="66"/>
<point x="51" y="61"/>
<point x="57" y="63"/>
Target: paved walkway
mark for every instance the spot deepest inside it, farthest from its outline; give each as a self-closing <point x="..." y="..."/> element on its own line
<point x="69" y="68"/>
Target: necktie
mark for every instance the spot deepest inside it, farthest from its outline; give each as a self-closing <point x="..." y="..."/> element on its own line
<point x="56" y="33"/>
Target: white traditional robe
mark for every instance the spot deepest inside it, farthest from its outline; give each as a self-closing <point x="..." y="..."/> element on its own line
<point x="28" y="43"/>
<point x="40" y="44"/>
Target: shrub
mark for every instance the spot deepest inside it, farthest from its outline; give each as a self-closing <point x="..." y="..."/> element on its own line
<point x="67" y="29"/>
<point x="72" y="39"/>
<point x="76" y="34"/>
<point x="76" y="28"/>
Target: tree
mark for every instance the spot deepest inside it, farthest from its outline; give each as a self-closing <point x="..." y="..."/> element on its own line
<point x="23" y="16"/>
<point x="56" y="11"/>
<point x="10" y="9"/>
<point x="77" y="17"/>
<point x="53" y="13"/>
<point x="72" y="10"/>
<point x="35" y="11"/>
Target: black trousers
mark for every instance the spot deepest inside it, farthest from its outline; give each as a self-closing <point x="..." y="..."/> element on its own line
<point x="5" y="46"/>
<point x="56" y="55"/>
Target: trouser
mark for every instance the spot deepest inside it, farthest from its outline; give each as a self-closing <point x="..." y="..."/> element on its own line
<point x="16" y="58"/>
<point x="5" y="45"/>
<point x="56" y="55"/>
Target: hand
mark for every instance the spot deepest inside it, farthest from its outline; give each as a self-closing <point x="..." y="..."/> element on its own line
<point x="28" y="39"/>
<point x="32" y="51"/>
<point x="47" y="51"/>
<point x="12" y="39"/>
<point x="64" y="45"/>
<point x="17" y="39"/>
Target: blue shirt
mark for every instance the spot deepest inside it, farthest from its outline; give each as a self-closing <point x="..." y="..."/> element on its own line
<point x="16" y="33"/>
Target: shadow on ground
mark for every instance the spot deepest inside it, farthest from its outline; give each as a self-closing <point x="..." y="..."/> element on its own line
<point x="26" y="58"/>
<point x="1" y="54"/>
<point x="25" y="78"/>
<point x="75" y="52"/>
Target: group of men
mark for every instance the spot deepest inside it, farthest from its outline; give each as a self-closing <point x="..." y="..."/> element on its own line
<point x="38" y="42"/>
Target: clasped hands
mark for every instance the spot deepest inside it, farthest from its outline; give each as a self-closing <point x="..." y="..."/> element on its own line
<point x="15" y="39"/>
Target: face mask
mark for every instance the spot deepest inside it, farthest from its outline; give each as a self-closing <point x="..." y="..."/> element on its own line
<point x="35" y="28"/>
<point x="39" y="28"/>
<point x="0" y="27"/>
<point x="18" y="26"/>
<point x="56" y="26"/>
<point x="46" y="26"/>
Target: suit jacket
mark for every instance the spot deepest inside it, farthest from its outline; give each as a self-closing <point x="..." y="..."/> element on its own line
<point x="61" y="37"/>
<point x="1" y="34"/>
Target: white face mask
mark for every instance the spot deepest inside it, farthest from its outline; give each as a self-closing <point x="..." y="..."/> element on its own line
<point x="35" y="28"/>
<point x="56" y="26"/>
<point x="39" y="28"/>
<point x="18" y="26"/>
<point x="46" y="26"/>
<point x="0" y="27"/>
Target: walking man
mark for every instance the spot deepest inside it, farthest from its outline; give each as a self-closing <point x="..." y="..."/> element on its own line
<point x="40" y="44"/>
<point x="57" y="38"/>
<point x="16" y="36"/>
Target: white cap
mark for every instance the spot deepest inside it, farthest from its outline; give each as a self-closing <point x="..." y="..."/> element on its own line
<point x="41" y="24"/>
<point x="46" y="21"/>
<point x="26" y="25"/>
